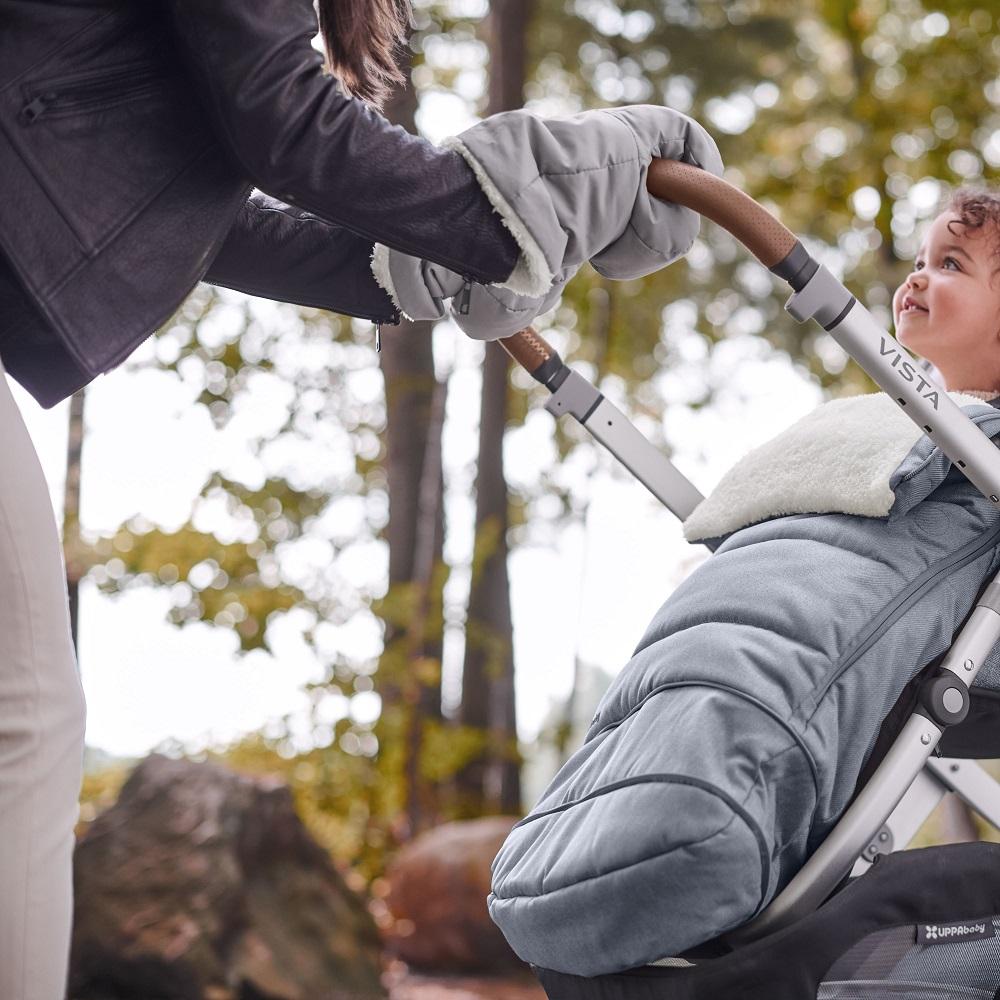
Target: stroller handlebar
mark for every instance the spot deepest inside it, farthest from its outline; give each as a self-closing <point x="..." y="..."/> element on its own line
<point x="752" y="224"/>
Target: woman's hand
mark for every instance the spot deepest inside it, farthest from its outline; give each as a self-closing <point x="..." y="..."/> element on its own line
<point x="569" y="189"/>
<point x="484" y="312"/>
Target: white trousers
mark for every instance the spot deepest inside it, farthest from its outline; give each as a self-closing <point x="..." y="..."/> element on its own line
<point x="42" y="721"/>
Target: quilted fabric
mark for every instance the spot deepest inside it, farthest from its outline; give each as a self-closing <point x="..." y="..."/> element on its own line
<point x="731" y="742"/>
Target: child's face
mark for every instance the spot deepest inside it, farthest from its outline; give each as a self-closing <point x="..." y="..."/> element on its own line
<point x="957" y="323"/>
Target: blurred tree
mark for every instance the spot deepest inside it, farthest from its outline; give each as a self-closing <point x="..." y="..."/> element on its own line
<point x="408" y="679"/>
<point x="490" y="782"/>
<point x="231" y="564"/>
<point x="373" y="772"/>
<point x="286" y="529"/>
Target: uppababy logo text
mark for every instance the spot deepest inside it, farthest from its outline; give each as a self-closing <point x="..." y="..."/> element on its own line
<point x="908" y="372"/>
<point x="949" y="933"/>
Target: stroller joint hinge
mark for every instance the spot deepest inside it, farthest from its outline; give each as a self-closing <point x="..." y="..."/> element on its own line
<point x="944" y="699"/>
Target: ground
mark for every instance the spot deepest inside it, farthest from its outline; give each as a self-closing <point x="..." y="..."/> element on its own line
<point x="405" y="984"/>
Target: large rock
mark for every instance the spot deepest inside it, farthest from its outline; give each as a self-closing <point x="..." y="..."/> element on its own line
<point x="202" y="884"/>
<point x="437" y="896"/>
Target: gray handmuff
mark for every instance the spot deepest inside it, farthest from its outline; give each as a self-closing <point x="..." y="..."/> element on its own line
<point x="731" y="743"/>
<point x="569" y="189"/>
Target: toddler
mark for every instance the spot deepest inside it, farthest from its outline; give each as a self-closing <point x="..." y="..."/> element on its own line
<point x="948" y="310"/>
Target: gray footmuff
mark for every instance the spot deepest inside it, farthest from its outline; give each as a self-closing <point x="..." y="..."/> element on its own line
<point x="731" y="743"/>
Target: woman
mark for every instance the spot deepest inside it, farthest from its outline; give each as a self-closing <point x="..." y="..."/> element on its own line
<point x="131" y="138"/>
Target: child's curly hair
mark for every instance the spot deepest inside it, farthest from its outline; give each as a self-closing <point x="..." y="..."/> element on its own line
<point x="975" y="207"/>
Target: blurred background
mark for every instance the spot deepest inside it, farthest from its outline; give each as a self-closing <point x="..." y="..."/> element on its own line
<point x="393" y="580"/>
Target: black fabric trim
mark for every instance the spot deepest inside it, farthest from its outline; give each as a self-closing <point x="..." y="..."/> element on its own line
<point x="978" y="736"/>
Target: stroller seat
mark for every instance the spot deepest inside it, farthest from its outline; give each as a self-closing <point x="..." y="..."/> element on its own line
<point x="891" y="934"/>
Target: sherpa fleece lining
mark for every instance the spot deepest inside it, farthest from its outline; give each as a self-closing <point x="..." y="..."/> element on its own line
<point x="380" y="271"/>
<point x="531" y="275"/>
<point x="837" y="459"/>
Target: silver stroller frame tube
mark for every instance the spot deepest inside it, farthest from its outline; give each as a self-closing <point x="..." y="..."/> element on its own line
<point x="879" y="815"/>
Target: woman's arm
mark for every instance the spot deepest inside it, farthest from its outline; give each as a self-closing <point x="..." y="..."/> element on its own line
<point x="300" y="139"/>
<point x="281" y="252"/>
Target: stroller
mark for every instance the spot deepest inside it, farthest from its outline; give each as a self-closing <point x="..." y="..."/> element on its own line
<point x="855" y="921"/>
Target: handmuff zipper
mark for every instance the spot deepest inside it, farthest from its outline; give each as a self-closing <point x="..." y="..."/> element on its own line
<point x="463" y="297"/>
<point x="71" y="95"/>
<point x="902" y="604"/>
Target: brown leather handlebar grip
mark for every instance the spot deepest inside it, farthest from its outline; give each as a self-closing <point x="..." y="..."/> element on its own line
<point x="528" y="348"/>
<point x="752" y="224"/>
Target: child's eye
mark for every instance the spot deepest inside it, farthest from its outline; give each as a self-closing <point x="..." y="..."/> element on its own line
<point x="918" y="264"/>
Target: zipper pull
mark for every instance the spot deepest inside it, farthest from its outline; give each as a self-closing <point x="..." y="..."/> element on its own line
<point x="462" y="300"/>
<point x="378" y="336"/>
<point x="30" y="113"/>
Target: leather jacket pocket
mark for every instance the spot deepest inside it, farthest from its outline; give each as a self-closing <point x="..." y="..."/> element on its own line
<point x="105" y="124"/>
<point x="89" y="93"/>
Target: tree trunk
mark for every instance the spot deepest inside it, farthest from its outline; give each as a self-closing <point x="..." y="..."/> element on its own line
<point x="488" y="671"/>
<point x="492" y="779"/>
<point x="408" y="680"/>
<point x="425" y="673"/>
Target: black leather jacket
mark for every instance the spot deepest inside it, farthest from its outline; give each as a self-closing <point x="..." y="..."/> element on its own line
<point x="132" y="133"/>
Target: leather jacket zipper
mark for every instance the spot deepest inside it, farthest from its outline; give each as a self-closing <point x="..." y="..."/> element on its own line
<point x="72" y="95"/>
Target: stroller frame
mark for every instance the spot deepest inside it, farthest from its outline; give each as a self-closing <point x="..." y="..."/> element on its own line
<point x="912" y="778"/>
